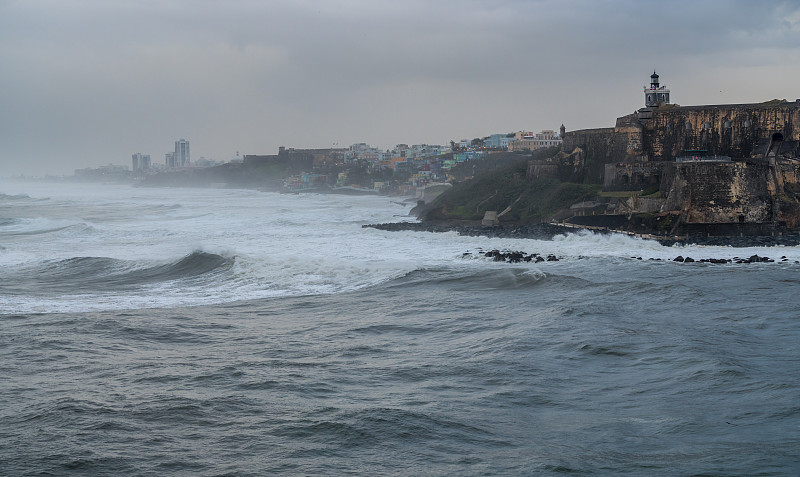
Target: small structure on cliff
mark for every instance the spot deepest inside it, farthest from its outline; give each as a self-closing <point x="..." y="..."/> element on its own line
<point x="655" y="94"/>
<point x="733" y="168"/>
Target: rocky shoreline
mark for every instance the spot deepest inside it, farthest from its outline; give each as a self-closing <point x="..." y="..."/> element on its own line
<point x="546" y="231"/>
<point x="514" y="256"/>
<point x="541" y="231"/>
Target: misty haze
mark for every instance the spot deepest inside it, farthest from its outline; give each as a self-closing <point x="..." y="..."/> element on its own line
<point x="399" y="238"/>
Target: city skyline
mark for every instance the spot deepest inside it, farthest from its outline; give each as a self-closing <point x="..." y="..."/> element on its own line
<point x="251" y="77"/>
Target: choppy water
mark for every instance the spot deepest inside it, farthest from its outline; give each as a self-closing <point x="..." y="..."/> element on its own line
<point x="221" y="332"/>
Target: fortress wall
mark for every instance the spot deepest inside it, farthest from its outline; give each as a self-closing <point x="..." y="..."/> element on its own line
<point x="633" y="176"/>
<point x="600" y="147"/>
<point x="726" y="130"/>
<point x="733" y="192"/>
<point x="581" y="137"/>
<point x="538" y="170"/>
<point x="789" y="174"/>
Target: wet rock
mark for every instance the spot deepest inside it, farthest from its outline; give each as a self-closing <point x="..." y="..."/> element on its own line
<point x="515" y="257"/>
<point x="718" y="260"/>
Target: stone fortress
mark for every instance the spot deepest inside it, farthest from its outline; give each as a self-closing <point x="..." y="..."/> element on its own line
<point x="718" y="169"/>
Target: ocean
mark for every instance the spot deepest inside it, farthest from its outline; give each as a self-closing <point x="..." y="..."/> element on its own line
<point x="158" y="331"/>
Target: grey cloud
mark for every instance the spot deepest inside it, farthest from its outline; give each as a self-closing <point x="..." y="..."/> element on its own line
<point x="90" y="82"/>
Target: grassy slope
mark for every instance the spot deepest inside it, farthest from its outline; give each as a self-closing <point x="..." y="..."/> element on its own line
<point x="506" y="184"/>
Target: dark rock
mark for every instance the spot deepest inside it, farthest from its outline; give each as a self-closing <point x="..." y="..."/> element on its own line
<point x="515" y="257"/>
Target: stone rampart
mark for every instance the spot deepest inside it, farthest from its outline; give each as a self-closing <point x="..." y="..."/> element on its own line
<point x="633" y="175"/>
<point x="723" y="192"/>
<point x="600" y="147"/>
<point x="726" y="130"/>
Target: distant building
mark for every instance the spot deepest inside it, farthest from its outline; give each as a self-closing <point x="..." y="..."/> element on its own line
<point x="182" y="153"/>
<point x="532" y="142"/>
<point x="364" y="152"/>
<point x="546" y="138"/>
<point x="426" y="150"/>
<point x="140" y="162"/>
<point x="206" y="162"/>
<point x="110" y="171"/>
<point x="498" y="141"/>
<point x="169" y="160"/>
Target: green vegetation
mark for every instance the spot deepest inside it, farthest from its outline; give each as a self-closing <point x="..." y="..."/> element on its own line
<point x="666" y="223"/>
<point x="652" y="191"/>
<point x="619" y="193"/>
<point x="496" y="189"/>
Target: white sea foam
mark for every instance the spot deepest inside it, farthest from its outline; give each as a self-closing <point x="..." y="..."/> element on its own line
<point x="284" y="245"/>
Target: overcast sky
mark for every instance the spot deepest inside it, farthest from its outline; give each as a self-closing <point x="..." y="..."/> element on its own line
<point x="89" y="82"/>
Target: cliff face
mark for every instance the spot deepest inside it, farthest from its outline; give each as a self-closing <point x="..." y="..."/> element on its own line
<point x="732" y="192"/>
<point x="754" y="180"/>
<point x="598" y="147"/>
<point x="725" y="130"/>
<point x="662" y="134"/>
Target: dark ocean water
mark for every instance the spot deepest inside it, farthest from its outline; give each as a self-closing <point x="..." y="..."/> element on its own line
<point x="617" y="368"/>
<point x="218" y="332"/>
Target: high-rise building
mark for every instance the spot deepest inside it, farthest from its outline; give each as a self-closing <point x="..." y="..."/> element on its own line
<point x="140" y="162"/>
<point x="169" y="160"/>
<point x="182" y="153"/>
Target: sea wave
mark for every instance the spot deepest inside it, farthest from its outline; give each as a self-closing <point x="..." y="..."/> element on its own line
<point x="103" y="274"/>
<point x="472" y="278"/>
<point x="10" y="197"/>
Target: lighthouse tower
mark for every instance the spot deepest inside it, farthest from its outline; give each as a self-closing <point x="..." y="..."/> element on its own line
<point x="655" y="94"/>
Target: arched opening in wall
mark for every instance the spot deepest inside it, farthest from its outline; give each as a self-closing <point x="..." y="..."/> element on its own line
<point x="774" y="145"/>
<point x="741" y="219"/>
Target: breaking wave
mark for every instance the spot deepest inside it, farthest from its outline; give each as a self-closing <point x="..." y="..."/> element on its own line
<point x="101" y="274"/>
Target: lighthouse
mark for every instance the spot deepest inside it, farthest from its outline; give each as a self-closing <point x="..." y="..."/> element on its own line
<point x="655" y="94"/>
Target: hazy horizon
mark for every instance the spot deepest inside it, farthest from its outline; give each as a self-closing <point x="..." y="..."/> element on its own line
<point x="88" y="83"/>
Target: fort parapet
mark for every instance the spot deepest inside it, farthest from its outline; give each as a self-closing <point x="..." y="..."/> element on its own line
<point x="735" y="130"/>
<point x="714" y="164"/>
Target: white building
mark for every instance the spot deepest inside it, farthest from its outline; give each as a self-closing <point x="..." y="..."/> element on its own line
<point x="532" y="142"/>
<point x="182" y="153"/>
<point x="546" y="138"/>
